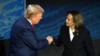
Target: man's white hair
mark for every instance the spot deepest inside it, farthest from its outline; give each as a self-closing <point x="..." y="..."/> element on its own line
<point x="33" y="9"/>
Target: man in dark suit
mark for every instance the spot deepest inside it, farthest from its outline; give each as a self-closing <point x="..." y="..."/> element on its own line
<point x="23" y="41"/>
<point x="75" y="37"/>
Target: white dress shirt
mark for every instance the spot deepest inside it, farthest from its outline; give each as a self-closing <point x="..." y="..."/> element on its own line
<point x="71" y="34"/>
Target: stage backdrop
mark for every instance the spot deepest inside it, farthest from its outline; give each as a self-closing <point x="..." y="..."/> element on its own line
<point x="53" y="18"/>
<point x="10" y="10"/>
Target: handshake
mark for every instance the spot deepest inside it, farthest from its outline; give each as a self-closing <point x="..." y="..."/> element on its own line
<point x="49" y="39"/>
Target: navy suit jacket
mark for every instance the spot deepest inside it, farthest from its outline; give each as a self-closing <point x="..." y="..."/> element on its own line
<point x="23" y="41"/>
<point x="81" y="45"/>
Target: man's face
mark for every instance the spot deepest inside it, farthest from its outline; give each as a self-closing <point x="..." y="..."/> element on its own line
<point x="36" y="18"/>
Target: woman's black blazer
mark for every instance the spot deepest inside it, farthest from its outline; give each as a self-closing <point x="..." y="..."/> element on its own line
<point x="81" y="45"/>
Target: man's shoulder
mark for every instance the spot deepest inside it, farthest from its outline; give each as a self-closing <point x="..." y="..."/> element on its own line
<point x="19" y="22"/>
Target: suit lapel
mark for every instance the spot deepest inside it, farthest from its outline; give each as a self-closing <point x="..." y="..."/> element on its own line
<point x="27" y="23"/>
<point x="76" y="37"/>
<point x="67" y="34"/>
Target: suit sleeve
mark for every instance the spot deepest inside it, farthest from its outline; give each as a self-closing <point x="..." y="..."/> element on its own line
<point x="58" y="41"/>
<point x="30" y="40"/>
<point x="89" y="45"/>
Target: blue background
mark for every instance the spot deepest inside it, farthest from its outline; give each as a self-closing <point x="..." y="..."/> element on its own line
<point x="53" y="17"/>
<point x="10" y="10"/>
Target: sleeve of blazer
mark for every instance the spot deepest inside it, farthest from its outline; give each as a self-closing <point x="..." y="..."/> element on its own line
<point x="89" y="45"/>
<point x="30" y="40"/>
<point x="58" y="41"/>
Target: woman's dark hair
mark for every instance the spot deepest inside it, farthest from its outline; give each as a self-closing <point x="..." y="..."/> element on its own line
<point x="77" y="18"/>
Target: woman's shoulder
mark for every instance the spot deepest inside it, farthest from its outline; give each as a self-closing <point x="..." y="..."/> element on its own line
<point x="84" y="29"/>
<point x="64" y="26"/>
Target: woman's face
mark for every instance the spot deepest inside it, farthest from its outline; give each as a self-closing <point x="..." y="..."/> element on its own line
<point x="69" y="20"/>
<point x="36" y="18"/>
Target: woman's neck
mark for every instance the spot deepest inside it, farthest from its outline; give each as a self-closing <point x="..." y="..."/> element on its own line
<point x="72" y="27"/>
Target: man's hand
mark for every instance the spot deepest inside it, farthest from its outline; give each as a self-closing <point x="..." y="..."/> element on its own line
<point x="50" y="39"/>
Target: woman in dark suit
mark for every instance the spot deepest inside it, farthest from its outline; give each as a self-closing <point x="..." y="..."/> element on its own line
<point x="75" y="37"/>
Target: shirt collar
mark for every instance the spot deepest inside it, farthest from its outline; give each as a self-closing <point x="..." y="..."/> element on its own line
<point x="29" y="21"/>
<point x="71" y="30"/>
